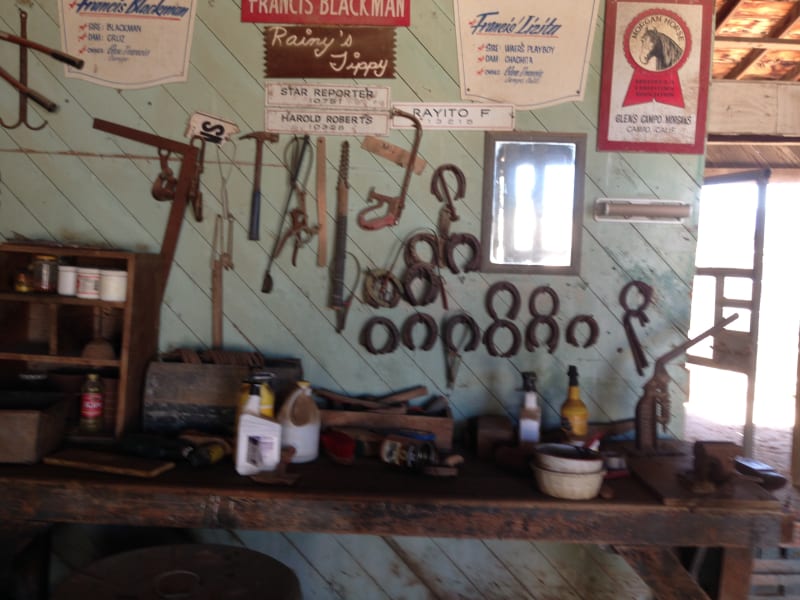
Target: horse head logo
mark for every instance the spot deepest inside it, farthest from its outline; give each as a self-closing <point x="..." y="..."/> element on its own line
<point x="659" y="51"/>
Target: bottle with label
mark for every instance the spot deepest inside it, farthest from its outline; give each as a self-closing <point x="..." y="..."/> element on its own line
<point x="258" y="438"/>
<point x="91" y="419"/>
<point x="574" y="414"/>
<point x="530" y="415"/>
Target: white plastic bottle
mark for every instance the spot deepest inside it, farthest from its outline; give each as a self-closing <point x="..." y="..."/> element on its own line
<point x="300" y="419"/>
<point x="530" y="415"/>
<point x="258" y="439"/>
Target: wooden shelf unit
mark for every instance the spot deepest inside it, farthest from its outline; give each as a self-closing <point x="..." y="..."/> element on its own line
<point x="48" y="331"/>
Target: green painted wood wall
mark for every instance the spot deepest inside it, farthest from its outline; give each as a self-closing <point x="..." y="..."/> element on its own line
<point x="69" y="182"/>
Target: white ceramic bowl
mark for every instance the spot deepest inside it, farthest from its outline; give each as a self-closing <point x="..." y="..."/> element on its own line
<point x="568" y="486"/>
<point x="566" y="458"/>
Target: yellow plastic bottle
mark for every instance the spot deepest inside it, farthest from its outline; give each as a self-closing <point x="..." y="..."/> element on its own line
<point x="574" y="414"/>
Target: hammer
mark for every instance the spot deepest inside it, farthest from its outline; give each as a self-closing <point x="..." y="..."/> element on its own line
<point x="255" y="203"/>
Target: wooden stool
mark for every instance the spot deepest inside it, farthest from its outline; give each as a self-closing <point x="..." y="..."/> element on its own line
<point x="186" y="571"/>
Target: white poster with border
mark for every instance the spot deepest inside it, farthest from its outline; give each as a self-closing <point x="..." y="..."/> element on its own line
<point x="128" y="44"/>
<point x="530" y="53"/>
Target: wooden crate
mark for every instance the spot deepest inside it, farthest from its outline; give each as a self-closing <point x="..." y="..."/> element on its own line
<point x="440" y="427"/>
<point x="179" y="396"/>
<point x="33" y="425"/>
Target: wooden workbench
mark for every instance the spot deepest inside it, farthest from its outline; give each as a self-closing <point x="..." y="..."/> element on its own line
<point x="482" y="502"/>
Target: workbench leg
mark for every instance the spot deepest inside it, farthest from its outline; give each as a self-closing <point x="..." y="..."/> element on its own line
<point x="734" y="580"/>
<point x="24" y="562"/>
<point x="663" y="572"/>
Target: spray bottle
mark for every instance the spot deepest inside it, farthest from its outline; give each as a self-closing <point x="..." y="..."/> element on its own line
<point x="530" y="415"/>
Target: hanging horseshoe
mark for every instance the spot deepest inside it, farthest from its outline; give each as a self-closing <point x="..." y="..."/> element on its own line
<point x="463" y="239"/>
<point x="488" y="338"/>
<point x="392" y="336"/>
<point x="431" y="331"/>
<point x="594" y="330"/>
<point x="503" y="286"/>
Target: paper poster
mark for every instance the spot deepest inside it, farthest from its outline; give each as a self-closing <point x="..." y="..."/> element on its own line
<point x="655" y="81"/>
<point x="128" y="44"/>
<point x="530" y="53"/>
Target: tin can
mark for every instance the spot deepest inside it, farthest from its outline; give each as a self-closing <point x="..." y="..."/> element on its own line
<point x="407" y="452"/>
<point x="88" y="283"/>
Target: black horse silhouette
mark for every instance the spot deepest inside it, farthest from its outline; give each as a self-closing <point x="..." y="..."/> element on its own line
<point x="660" y="46"/>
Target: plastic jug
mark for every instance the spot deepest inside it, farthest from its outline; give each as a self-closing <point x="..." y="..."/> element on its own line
<point x="299" y="417"/>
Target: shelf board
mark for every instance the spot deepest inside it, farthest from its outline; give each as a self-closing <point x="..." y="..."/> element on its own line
<point x="60" y="249"/>
<point x="59" y="359"/>
<point x="34" y="298"/>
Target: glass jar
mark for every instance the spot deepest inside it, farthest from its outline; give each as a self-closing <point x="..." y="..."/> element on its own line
<point x="44" y="272"/>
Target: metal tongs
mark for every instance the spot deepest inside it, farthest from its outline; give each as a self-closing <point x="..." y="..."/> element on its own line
<point x="21" y="84"/>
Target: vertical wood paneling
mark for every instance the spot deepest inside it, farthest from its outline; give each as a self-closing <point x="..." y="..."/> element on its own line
<point x="73" y="183"/>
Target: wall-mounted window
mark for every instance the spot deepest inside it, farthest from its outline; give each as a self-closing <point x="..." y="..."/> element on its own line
<point x="532" y="202"/>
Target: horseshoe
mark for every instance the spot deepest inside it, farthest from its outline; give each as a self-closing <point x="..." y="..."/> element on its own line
<point x="432" y="331"/>
<point x="503" y="286"/>
<point x="544" y="289"/>
<point x="393" y="337"/>
<point x="531" y="343"/>
<point x="381" y="289"/>
<point x="410" y="252"/>
<point x="488" y="338"/>
<point x="463" y="239"/>
<point x="594" y="330"/>
<point x="424" y="271"/>
<point x="472" y="328"/>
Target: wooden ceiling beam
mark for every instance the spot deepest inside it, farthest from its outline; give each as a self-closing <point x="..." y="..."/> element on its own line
<point x="725" y="12"/>
<point x="792" y="74"/>
<point x="776" y="31"/>
<point x="735" y="43"/>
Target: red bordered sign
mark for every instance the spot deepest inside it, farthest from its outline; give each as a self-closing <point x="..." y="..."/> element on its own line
<point x="388" y="13"/>
<point x="655" y="80"/>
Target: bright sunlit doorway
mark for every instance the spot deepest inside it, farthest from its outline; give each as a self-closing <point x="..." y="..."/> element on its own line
<point x="728" y="248"/>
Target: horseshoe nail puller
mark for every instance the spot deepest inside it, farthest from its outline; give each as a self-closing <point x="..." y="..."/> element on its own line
<point x="394" y="204"/>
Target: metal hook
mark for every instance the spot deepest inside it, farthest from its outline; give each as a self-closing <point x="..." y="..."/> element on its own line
<point x="23" y="78"/>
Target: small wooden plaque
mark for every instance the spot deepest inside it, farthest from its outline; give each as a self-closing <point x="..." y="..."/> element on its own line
<point x="108" y="462"/>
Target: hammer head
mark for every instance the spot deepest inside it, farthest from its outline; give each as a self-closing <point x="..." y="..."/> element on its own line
<point x="260" y="136"/>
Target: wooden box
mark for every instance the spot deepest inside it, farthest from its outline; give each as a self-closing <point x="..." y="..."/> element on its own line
<point x="179" y="396"/>
<point x="440" y="427"/>
<point x="31" y="425"/>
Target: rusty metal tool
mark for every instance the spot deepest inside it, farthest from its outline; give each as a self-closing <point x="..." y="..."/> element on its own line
<point x="255" y="202"/>
<point x="299" y="229"/>
<point x="646" y="292"/>
<point x="322" y="210"/>
<point x="653" y="406"/>
<point x="394" y="205"/>
<point x="21" y="85"/>
<point x="297" y="149"/>
<point x="72" y="61"/>
<point x="188" y="165"/>
<point x="447" y="214"/>
<point x="23" y="78"/>
<point x="340" y="243"/>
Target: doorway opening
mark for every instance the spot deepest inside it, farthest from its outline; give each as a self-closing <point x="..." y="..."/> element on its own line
<point x="728" y="243"/>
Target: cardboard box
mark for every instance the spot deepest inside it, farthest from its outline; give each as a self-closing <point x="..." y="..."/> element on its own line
<point x="33" y="425"/>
